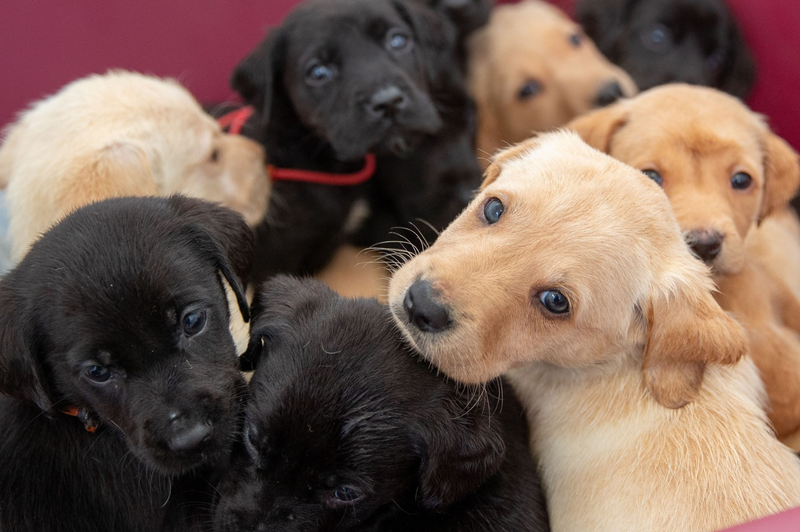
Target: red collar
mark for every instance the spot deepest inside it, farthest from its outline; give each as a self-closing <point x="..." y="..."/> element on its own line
<point x="236" y="119"/>
<point x="89" y="422"/>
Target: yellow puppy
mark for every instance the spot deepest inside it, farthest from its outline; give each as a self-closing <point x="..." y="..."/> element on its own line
<point x="122" y="134"/>
<point x="645" y="414"/>
<point x="532" y="69"/>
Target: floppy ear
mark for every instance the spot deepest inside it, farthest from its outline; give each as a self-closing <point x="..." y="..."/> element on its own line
<point x="20" y="374"/>
<point x="496" y="166"/>
<point x="740" y="67"/>
<point x="686" y="329"/>
<point x="117" y="170"/>
<point x="460" y="448"/>
<point x="603" y="21"/>
<point x="781" y="174"/>
<point x="223" y="235"/>
<point x="435" y="35"/>
<point x="597" y="128"/>
<point x="256" y="75"/>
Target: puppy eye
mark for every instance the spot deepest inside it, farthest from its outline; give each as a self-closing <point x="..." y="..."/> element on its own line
<point x="529" y="89"/>
<point x="318" y="74"/>
<point x="214" y="155"/>
<point x="98" y="374"/>
<point x="345" y="496"/>
<point x="398" y="41"/>
<point x="554" y="301"/>
<point x="656" y="38"/>
<point x="194" y="322"/>
<point x="576" y="39"/>
<point x="493" y="209"/>
<point x="654" y="175"/>
<point x="741" y="181"/>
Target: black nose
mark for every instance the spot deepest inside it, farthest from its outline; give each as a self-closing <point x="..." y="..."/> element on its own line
<point x="610" y="93"/>
<point x="387" y="102"/>
<point x="705" y="244"/>
<point x="188" y="436"/>
<point x="423" y="311"/>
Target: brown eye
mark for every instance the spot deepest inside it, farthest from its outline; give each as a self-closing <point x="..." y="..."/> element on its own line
<point x="215" y="155"/>
<point x="741" y="181"/>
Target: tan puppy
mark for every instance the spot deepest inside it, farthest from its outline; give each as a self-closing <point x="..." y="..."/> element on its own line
<point x="533" y="69"/>
<point x="571" y="267"/>
<point x="724" y="173"/>
<point x="122" y="134"/>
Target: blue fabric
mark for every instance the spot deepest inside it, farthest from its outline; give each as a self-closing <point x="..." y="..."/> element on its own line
<point x="5" y="252"/>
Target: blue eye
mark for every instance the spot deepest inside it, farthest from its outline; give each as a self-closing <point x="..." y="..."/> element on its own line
<point x="554" y="301"/>
<point x="98" y="373"/>
<point x="656" y="38"/>
<point x="398" y="41"/>
<point x="194" y="322"/>
<point x="654" y="175"/>
<point x="529" y="89"/>
<point x="318" y="74"/>
<point x="741" y="181"/>
<point x="575" y="39"/>
<point x="493" y="210"/>
<point x="346" y="494"/>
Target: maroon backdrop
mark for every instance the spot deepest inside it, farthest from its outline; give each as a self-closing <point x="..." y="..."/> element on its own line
<point x="47" y="43"/>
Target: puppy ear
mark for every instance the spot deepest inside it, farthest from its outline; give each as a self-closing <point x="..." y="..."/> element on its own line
<point x="496" y="166"/>
<point x="223" y="235"/>
<point x="20" y="373"/>
<point x="740" y="67"/>
<point x="781" y="174"/>
<point x="597" y="128"/>
<point x="686" y="329"/>
<point x="460" y="447"/>
<point x="256" y="75"/>
<point x="435" y="35"/>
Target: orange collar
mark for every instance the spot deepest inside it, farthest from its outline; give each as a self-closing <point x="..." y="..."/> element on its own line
<point x="89" y="421"/>
<point x="236" y="119"/>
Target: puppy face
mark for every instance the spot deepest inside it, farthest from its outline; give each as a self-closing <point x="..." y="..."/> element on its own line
<point x="355" y="72"/>
<point x="717" y="161"/>
<point x="344" y="429"/>
<point x="532" y="69"/>
<point x="565" y="257"/>
<point x="119" y="311"/>
<point x="690" y="41"/>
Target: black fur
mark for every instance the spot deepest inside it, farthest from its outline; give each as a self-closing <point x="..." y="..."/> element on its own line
<point x="109" y="288"/>
<point x="702" y="45"/>
<point x="467" y="15"/>
<point x="339" y="403"/>
<point x="327" y="128"/>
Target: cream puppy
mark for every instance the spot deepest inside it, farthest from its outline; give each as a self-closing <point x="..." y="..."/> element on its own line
<point x="122" y="134"/>
<point x="569" y="271"/>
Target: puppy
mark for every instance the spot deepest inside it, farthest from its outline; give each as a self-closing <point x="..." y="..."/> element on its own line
<point x="725" y="173"/>
<point x="664" y="41"/>
<point x="533" y="69"/>
<point x="569" y="268"/>
<point x="467" y="15"/>
<point x="345" y="430"/>
<point x="118" y="316"/>
<point x="338" y="85"/>
<point x="122" y="134"/>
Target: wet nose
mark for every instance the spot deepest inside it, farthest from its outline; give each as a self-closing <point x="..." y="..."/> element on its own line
<point x="187" y="436"/>
<point x="705" y="244"/>
<point x="387" y="102"/>
<point x="422" y="308"/>
<point x="610" y="93"/>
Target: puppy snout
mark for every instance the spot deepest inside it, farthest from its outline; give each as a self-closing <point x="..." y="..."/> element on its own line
<point x="705" y="244"/>
<point x="387" y="102"/>
<point x="187" y="435"/>
<point x="422" y="308"/>
<point x="609" y="93"/>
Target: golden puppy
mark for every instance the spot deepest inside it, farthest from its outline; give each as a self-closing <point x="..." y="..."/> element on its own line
<point x="122" y="134"/>
<point x="571" y="267"/>
<point x="533" y="69"/>
<point x="724" y="173"/>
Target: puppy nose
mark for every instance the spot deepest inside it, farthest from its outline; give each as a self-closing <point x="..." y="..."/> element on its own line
<point x="188" y="436"/>
<point x="610" y="93"/>
<point x="423" y="311"/>
<point x="387" y="101"/>
<point x="705" y="244"/>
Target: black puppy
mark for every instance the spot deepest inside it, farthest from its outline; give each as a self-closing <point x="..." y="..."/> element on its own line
<point x="467" y="15"/>
<point x="346" y="430"/>
<point x="118" y="316"/>
<point x="661" y="41"/>
<point x="338" y="82"/>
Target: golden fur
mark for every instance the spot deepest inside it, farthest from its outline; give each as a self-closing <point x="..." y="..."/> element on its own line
<point x="531" y="41"/>
<point x="645" y="414"/>
<point x="697" y="138"/>
<point x="122" y="134"/>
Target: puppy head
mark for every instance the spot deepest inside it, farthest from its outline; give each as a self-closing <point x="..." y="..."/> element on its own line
<point x="690" y="41"/>
<point x="120" y="310"/>
<point x="532" y="69"/>
<point x="344" y="426"/>
<point x="720" y="165"/>
<point x="566" y="257"/>
<point x="355" y="72"/>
